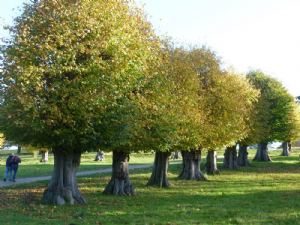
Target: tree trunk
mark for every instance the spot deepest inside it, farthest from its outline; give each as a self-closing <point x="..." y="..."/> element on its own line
<point x="19" y="149"/>
<point x="243" y="156"/>
<point x="160" y="170"/>
<point x="230" y="158"/>
<point x="63" y="187"/>
<point x="286" y="149"/>
<point x="191" y="166"/>
<point x="44" y="156"/>
<point x="176" y="155"/>
<point x="211" y="163"/>
<point x="100" y="156"/>
<point x="120" y="183"/>
<point x="262" y="154"/>
<point x="290" y="147"/>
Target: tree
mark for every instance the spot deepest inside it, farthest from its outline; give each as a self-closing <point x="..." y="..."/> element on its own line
<point x="210" y="93"/>
<point x="2" y="141"/>
<point x="44" y="158"/>
<point x="68" y="69"/>
<point x="244" y="99"/>
<point x="99" y="156"/>
<point x="176" y="155"/>
<point x="185" y="117"/>
<point x="35" y="151"/>
<point x="165" y="109"/>
<point x="225" y="98"/>
<point x="293" y="131"/>
<point x="273" y="109"/>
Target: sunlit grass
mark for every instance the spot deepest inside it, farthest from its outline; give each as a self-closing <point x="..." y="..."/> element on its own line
<point x="32" y="167"/>
<point x="267" y="193"/>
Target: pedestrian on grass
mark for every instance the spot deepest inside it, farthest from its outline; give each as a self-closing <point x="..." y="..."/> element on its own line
<point x="8" y="167"/>
<point x="15" y="165"/>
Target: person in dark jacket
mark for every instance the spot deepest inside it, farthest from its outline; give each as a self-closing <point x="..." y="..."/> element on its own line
<point x="8" y="167"/>
<point x="15" y="165"/>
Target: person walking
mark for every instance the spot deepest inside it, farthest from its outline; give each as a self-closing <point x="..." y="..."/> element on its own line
<point x="8" y="167"/>
<point x="15" y="166"/>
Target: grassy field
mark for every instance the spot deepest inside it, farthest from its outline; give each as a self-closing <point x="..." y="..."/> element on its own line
<point x="267" y="193"/>
<point x="32" y="167"/>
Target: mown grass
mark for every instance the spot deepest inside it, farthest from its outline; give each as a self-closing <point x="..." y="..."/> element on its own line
<point x="267" y="193"/>
<point x="32" y="167"/>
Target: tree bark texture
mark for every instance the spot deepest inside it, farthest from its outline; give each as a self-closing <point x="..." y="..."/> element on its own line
<point x="120" y="183"/>
<point x="19" y="149"/>
<point x="160" y="170"/>
<point x="191" y="166"/>
<point x="290" y="147"/>
<point x="176" y="155"/>
<point x="63" y="187"/>
<point x="286" y="149"/>
<point x="262" y="153"/>
<point x="243" y="156"/>
<point x="44" y="156"/>
<point x="210" y="167"/>
<point x="100" y="156"/>
<point x="230" y="158"/>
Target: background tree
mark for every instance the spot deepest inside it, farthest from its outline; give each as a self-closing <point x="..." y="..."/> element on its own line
<point x="251" y="138"/>
<point x="2" y="141"/>
<point x="273" y="109"/>
<point x="66" y="69"/>
<point x="293" y="131"/>
<point x="225" y="98"/>
<point x="99" y="156"/>
<point x="245" y="95"/>
<point x="180" y="114"/>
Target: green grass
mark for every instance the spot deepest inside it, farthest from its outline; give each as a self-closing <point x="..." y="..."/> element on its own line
<point x="32" y="167"/>
<point x="267" y="193"/>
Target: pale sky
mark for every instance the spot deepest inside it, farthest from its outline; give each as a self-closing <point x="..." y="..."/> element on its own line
<point x="258" y="34"/>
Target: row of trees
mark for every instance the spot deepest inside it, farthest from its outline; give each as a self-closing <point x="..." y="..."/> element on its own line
<point x="84" y="75"/>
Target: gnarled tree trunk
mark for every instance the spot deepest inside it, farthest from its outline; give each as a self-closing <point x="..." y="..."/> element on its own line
<point x="100" y="156"/>
<point x="191" y="166"/>
<point x="63" y="187"/>
<point x="290" y="147"/>
<point x="160" y="169"/>
<point x="262" y="154"/>
<point x="19" y="149"/>
<point x="120" y="183"/>
<point x="243" y="156"/>
<point x="44" y="156"/>
<point x="286" y="148"/>
<point x="176" y="155"/>
<point x="211" y="163"/>
<point x="230" y="158"/>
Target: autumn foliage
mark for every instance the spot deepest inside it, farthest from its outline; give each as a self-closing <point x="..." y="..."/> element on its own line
<point x="82" y="75"/>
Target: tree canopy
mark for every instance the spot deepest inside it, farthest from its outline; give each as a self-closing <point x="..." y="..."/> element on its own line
<point x="2" y="141"/>
<point x="226" y="99"/>
<point x="69" y="69"/>
<point x="274" y="113"/>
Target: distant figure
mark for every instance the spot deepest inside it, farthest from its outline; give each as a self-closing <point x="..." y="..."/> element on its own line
<point x="8" y="167"/>
<point x="15" y="165"/>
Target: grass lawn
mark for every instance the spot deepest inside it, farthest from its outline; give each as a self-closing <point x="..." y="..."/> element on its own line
<point x="32" y="167"/>
<point x="267" y="193"/>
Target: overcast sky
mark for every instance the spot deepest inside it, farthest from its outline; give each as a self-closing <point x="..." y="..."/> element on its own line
<point x="258" y="34"/>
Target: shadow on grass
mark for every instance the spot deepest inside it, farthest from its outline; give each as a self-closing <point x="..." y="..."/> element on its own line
<point x="235" y="197"/>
